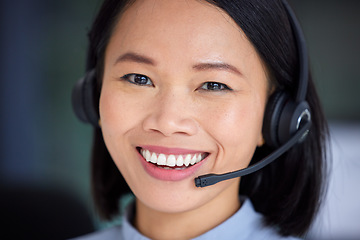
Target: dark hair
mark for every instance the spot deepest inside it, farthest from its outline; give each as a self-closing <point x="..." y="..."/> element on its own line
<point x="288" y="192"/>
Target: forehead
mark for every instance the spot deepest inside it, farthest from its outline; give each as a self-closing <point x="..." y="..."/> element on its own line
<point x="186" y="28"/>
<point x="176" y="12"/>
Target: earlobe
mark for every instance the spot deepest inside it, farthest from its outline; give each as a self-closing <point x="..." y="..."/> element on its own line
<point x="261" y="141"/>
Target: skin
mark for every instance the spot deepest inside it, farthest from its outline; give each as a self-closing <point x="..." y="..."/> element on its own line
<point x="182" y="45"/>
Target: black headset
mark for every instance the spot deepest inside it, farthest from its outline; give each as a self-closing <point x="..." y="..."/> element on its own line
<point x="84" y="99"/>
<point x="284" y="115"/>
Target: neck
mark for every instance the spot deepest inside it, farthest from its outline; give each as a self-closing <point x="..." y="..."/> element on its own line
<point x="187" y="224"/>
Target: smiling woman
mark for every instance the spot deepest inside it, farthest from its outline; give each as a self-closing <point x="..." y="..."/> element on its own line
<point x="182" y="91"/>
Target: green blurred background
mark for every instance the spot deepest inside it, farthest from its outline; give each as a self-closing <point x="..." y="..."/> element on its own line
<point x="43" y="46"/>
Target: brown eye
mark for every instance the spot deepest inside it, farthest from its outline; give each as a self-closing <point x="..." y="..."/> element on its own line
<point x="215" y="86"/>
<point x="137" y="79"/>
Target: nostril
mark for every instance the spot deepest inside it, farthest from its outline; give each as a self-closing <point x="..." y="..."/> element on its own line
<point x="170" y="123"/>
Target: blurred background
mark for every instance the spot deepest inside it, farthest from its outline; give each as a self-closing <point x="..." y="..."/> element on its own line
<point x="44" y="149"/>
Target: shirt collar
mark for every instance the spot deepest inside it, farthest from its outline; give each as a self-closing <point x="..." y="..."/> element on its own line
<point x="242" y="223"/>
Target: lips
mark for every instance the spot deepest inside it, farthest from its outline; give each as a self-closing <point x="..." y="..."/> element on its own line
<point x="170" y="164"/>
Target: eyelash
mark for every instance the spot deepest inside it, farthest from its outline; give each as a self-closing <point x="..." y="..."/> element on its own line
<point x="128" y="77"/>
<point x="133" y="77"/>
<point x="217" y="87"/>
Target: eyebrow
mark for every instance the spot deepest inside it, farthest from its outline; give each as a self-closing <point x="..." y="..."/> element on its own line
<point x="137" y="58"/>
<point x="217" y="66"/>
<point x="134" y="57"/>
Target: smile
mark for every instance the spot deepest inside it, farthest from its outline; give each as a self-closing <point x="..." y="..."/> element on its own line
<point x="172" y="161"/>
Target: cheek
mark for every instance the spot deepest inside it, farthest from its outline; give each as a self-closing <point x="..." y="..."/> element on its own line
<point x="237" y="122"/>
<point x="117" y="118"/>
<point x="117" y="112"/>
<point x="236" y="130"/>
<point x="112" y="121"/>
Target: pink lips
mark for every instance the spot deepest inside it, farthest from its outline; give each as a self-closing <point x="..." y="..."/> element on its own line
<point x="169" y="174"/>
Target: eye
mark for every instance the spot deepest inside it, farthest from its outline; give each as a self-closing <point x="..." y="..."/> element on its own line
<point x="137" y="79"/>
<point x="215" y="86"/>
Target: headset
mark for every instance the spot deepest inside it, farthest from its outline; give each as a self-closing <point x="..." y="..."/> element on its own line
<point x="287" y="120"/>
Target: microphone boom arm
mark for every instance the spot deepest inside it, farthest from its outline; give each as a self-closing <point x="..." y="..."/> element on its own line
<point x="210" y="179"/>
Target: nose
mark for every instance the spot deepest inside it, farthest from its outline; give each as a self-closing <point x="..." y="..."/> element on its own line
<point x="171" y="113"/>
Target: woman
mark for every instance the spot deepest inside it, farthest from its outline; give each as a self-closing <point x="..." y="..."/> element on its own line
<point x="182" y="89"/>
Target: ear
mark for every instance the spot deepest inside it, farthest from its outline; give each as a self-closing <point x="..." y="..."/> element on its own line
<point x="261" y="140"/>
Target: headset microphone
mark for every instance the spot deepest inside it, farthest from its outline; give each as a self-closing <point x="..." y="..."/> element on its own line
<point x="287" y="120"/>
<point x="210" y="179"/>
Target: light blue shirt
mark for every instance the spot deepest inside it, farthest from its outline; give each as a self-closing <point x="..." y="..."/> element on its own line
<point x="245" y="224"/>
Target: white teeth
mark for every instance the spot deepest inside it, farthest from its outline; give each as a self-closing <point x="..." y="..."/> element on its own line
<point x="171" y="160"/>
<point x="199" y="158"/>
<point x="161" y="160"/>
<point x="193" y="160"/>
<point x="147" y="155"/>
<point x="187" y="160"/>
<point x="180" y="161"/>
<point x="153" y="158"/>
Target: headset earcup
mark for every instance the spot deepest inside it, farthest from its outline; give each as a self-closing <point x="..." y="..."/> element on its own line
<point x="83" y="99"/>
<point x="291" y="118"/>
<point x="282" y="118"/>
<point x="272" y="115"/>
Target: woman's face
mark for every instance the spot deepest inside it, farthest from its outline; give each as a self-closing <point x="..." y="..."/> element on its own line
<point x="183" y="95"/>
